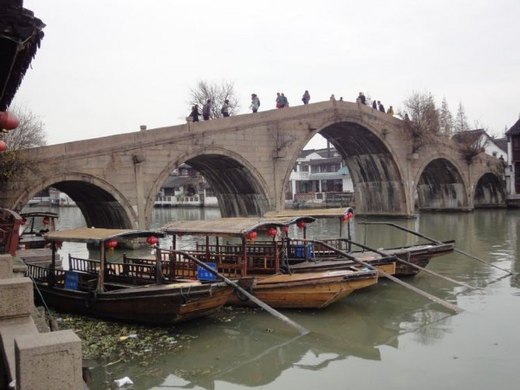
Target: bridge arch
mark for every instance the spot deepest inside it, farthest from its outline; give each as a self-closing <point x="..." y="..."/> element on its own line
<point x="489" y="191"/>
<point x="101" y="204"/>
<point x="239" y="187"/>
<point x="376" y="176"/>
<point x="441" y="186"/>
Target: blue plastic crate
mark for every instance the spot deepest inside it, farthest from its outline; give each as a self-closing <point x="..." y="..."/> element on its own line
<point x="71" y="280"/>
<point x="299" y="251"/>
<point x="204" y="275"/>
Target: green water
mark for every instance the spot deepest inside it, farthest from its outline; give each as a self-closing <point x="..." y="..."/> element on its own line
<point x="383" y="337"/>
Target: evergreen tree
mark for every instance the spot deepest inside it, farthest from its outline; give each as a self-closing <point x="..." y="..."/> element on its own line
<point x="445" y="119"/>
<point x="461" y="121"/>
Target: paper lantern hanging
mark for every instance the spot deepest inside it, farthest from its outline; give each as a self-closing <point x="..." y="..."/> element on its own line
<point x="300" y="224"/>
<point x="251" y="235"/>
<point x="152" y="240"/>
<point x="8" y="121"/>
<point x="111" y="244"/>
<point x="272" y="232"/>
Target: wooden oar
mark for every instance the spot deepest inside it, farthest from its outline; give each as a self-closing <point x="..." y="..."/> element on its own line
<point x="263" y="305"/>
<point x="429" y="296"/>
<point x="437" y="242"/>
<point x="411" y="264"/>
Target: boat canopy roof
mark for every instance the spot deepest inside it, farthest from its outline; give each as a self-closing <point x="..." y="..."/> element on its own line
<point x="32" y="214"/>
<point x="316" y="213"/>
<point x="230" y="226"/>
<point x="98" y="235"/>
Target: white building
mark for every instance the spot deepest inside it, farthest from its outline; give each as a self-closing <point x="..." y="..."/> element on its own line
<point x="320" y="177"/>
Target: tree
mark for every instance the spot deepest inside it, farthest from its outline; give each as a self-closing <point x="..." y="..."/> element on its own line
<point x="445" y="119"/>
<point x="29" y="133"/>
<point x="461" y="121"/>
<point x="217" y="93"/>
<point x="421" y="118"/>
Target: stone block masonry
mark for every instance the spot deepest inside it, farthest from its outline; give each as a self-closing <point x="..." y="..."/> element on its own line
<point x="48" y="361"/>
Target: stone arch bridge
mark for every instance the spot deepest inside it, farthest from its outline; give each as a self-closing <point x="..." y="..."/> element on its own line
<point x="247" y="159"/>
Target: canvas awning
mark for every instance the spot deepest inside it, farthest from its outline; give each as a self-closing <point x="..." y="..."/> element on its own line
<point x="315" y="213"/>
<point x="230" y="226"/>
<point x="98" y="235"/>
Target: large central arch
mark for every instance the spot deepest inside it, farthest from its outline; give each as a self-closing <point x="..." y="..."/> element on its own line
<point x="376" y="177"/>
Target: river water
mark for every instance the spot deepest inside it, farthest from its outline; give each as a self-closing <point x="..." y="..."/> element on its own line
<point x="383" y="337"/>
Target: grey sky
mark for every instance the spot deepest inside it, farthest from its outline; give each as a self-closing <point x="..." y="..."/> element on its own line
<point x="108" y="66"/>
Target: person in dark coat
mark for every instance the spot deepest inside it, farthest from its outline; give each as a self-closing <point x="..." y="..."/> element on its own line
<point x="206" y="110"/>
<point x="306" y="97"/>
<point x="380" y="106"/>
<point x="225" y="109"/>
<point x="195" y="113"/>
<point x="374" y="105"/>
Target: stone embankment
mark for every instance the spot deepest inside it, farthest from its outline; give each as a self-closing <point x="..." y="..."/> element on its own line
<point x="32" y="358"/>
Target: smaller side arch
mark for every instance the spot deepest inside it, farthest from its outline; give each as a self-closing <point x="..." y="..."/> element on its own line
<point x="101" y="204"/>
<point x="441" y="186"/>
<point x="489" y="192"/>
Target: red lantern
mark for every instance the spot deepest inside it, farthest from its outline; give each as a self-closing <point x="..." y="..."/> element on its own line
<point x="251" y="235"/>
<point x="152" y="240"/>
<point x="45" y="220"/>
<point x="347" y="216"/>
<point x="3" y="146"/>
<point x="272" y="232"/>
<point x="8" y="121"/>
<point x="300" y="224"/>
<point x="111" y="244"/>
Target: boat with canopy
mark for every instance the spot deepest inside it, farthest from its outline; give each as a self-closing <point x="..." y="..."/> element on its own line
<point x="228" y="245"/>
<point x="118" y="291"/>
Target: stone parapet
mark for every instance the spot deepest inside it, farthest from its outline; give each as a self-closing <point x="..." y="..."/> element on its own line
<point x="17" y="298"/>
<point x="6" y="266"/>
<point x="48" y="360"/>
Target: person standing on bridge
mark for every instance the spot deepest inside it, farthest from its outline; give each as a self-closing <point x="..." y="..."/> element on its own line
<point x="380" y="106"/>
<point x="255" y="102"/>
<point x="390" y="111"/>
<point x="361" y="98"/>
<point x="206" y="110"/>
<point x="306" y="97"/>
<point x="225" y="109"/>
<point x="195" y="113"/>
<point x="278" y="100"/>
<point x="374" y="104"/>
<point x="283" y="101"/>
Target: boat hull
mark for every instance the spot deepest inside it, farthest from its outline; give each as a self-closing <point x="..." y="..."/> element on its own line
<point x="314" y="290"/>
<point x="153" y="304"/>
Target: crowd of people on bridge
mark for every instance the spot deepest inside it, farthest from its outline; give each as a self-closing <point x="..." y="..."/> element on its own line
<point x="281" y="101"/>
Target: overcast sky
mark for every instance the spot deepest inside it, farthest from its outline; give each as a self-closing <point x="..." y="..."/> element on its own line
<point x="109" y="66"/>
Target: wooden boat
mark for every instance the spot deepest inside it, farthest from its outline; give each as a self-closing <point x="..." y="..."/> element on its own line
<point x="123" y="292"/>
<point x="410" y="259"/>
<point x="33" y="248"/>
<point x="35" y="225"/>
<point x="228" y="244"/>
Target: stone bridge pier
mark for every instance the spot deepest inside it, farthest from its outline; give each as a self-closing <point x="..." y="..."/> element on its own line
<point x="247" y="159"/>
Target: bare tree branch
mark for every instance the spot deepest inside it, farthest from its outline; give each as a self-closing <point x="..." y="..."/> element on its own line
<point x="217" y="93"/>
